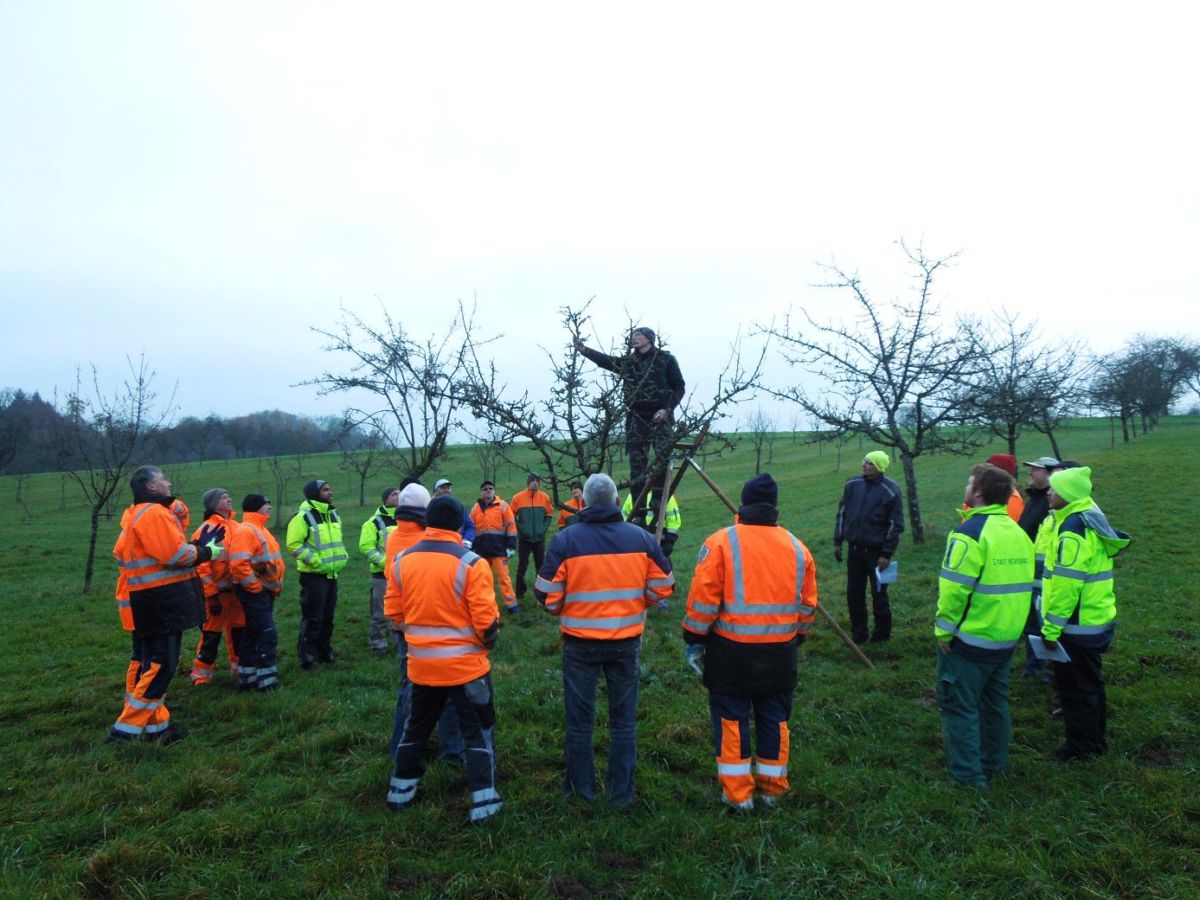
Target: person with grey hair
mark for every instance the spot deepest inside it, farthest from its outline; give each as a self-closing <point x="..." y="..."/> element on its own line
<point x="599" y="577"/>
<point x="223" y="609"/>
<point x="653" y="386"/>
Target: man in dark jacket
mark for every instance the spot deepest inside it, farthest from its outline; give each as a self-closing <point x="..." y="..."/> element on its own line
<point x="871" y="519"/>
<point x="653" y="387"/>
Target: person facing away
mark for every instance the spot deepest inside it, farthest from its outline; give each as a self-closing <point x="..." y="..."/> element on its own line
<point x="445" y="607"/>
<point x="652" y="386"/>
<point x="599" y="577"/>
<point x="751" y="604"/>
<point x="871" y="519"/>
<point x="984" y="590"/>
<point x="258" y="568"/>
<point x="314" y="538"/>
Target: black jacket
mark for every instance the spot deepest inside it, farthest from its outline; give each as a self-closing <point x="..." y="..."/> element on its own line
<point x="1037" y="507"/>
<point x="651" y="380"/>
<point x="870" y="514"/>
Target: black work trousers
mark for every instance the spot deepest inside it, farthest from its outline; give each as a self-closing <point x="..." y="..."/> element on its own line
<point x="860" y="572"/>
<point x="318" y="602"/>
<point x="524" y="549"/>
<point x="1080" y="686"/>
<point x="642" y="434"/>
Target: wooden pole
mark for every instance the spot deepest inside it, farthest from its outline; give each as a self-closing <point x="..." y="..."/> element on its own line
<point x="846" y="639"/>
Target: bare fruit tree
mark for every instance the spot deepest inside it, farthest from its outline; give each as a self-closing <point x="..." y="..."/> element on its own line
<point x="404" y="383"/>
<point x="896" y="375"/>
<point x="97" y="436"/>
<point x="363" y="452"/>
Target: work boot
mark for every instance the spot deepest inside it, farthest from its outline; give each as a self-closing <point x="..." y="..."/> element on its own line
<point x="168" y="735"/>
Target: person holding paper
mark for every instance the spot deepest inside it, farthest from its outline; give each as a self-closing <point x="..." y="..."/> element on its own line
<point x="983" y="599"/>
<point x="871" y="518"/>
<point x="1079" y="608"/>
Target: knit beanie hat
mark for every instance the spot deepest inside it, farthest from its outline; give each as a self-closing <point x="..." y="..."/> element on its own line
<point x="312" y="490"/>
<point x="211" y="498"/>
<point x="1072" y="484"/>
<point x="414" y="496"/>
<point x="387" y="492"/>
<point x="879" y="460"/>
<point x="647" y="333"/>
<point x="1004" y="461"/>
<point x="444" y="512"/>
<point x="760" y="489"/>
<point x="254" y="502"/>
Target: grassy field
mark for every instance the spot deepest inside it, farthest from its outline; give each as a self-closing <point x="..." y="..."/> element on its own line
<point x="283" y="794"/>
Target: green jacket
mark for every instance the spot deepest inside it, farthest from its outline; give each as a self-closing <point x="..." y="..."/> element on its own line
<point x="1078" y="598"/>
<point x="985" y="583"/>
<point x="372" y="539"/>
<point x="314" y="538"/>
<point x="672" y="519"/>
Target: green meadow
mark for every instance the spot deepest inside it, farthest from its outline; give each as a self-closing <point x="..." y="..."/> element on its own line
<point x="282" y="795"/>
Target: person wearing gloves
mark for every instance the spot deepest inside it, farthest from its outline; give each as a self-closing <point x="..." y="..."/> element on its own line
<point x="1079" y="608"/>
<point x="257" y="567"/>
<point x="599" y="577"/>
<point x="158" y="589"/>
<point x="372" y="539"/>
<point x="223" y="610"/>
<point x="870" y="516"/>
<point x="751" y="604"/>
<point x="314" y="539"/>
<point x="984" y="593"/>
<point x="496" y="540"/>
<point x="445" y="606"/>
<point x="410" y="526"/>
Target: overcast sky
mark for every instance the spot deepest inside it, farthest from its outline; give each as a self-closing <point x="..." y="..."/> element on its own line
<point x="202" y="183"/>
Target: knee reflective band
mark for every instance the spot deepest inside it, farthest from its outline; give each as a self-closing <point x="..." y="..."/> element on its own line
<point x="484" y="804"/>
<point x="401" y="792"/>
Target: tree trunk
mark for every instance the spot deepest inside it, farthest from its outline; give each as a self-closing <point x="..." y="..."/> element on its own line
<point x="1124" y="428"/>
<point x="1012" y="440"/>
<point x="914" y="506"/>
<point x="90" y="567"/>
<point x="1053" y="443"/>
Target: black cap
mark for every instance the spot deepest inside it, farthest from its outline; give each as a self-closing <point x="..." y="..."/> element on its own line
<point x="444" y="512"/>
<point x="760" y="489"/>
<point x="254" y="502"/>
<point x="387" y="492"/>
<point x="312" y="490"/>
<point x="648" y="333"/>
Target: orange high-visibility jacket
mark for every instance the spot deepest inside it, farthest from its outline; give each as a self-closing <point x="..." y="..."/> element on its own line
<point x="495" y="528"/>
<point x="216" y="576"/>
<point x="404" y="535"/>
<point x="181" y="512"/>
<point x="567" y="514"/>
<point x="446" y="609"/>
<point x="753" y="584"/>
<point x="152" y="552"/>
<point x="255" y="562"/>
<point x="601" y="574"/>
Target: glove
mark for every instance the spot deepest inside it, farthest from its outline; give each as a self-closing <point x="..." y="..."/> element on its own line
<point x="467" y="544"/>
<point x="837" y="552"/>
<point x="210" y="534"/>
<point x="214" y="548"/>
<point x="693" y="655"/>
<point x="510" y="552"/>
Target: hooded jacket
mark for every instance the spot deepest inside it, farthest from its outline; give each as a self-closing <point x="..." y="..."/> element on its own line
<point x="1079" y="600"/>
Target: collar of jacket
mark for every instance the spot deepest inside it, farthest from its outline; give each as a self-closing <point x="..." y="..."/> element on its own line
<point x="443" y="534"/>
<point x="322" y="508"/>
<point x="1036" y="492"/>
<point x="410" y="514"/>
<point x="758" y="514"/>
<point x="989" y="510"/>
<point x="600" y="512"/>
<point x="255" y="518"/>
<point x="1083" y="503"/>
<point x="496" y="502"/>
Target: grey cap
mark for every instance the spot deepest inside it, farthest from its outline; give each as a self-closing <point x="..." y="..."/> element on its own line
<point x="437" y="484"/>
<point x="1044" y="462"/>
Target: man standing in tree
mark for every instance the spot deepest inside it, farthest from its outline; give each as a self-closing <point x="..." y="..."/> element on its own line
<point x="870" y="517"/>
<point x="653" y="387"/>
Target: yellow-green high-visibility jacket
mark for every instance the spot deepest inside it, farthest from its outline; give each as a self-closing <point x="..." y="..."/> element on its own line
<point x="1078" y="597"/>
<point x="314" y="538"/>
<point x="1043" y="548"/>
<point x="985" y="584"/>
<point x="372" y="539"/>
<point x="672" y="519"/>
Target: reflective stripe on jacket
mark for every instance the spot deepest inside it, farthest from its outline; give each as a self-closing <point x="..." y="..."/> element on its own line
<point x="446" y="609"/>
<point x="314" y="538"/>
<point x="753" y="584"/>
<point x="672" y="519"/>
<point x="601" y="574"/>
<point x="255" y="562"/>
<point x="372" y="539"/>
<point x="215" y="575"/>
<point x="495" y="528"/>
<point x="1078" y="594"/>
<point x="403" y="536"/>
<point x="986" y="582"/>
<point x="152" y="553"/>
<point x="533" y="512"/>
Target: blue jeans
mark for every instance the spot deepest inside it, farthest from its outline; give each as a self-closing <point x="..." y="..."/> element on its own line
<point x="583" y="661"/>
<point x="450" y="739"/>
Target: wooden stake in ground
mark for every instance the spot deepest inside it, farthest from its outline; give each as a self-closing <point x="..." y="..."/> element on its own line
<point x="846" y="639"/>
